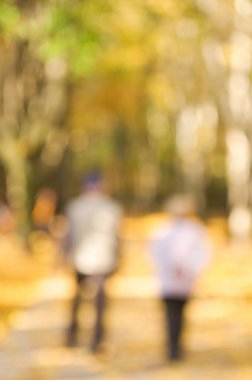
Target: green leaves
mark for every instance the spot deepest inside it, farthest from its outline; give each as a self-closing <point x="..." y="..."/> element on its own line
<point x="9" y="18"/>
<point x="74" y="33"/>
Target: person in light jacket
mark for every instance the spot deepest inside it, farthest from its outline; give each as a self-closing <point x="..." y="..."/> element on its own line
<point x="180" y="250"/>
<point x="94" y="222"/>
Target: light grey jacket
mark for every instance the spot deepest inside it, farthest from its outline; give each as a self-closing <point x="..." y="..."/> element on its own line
<point x="94" y="220"/>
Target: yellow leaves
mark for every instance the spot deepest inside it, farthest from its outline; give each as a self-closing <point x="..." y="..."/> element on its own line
<point x="163" y="7"/>
<point x="77" y="140"/>
<point x="130" y="59"/>
<point x="161" y="92"/>
<point x="140" y="227"/>
<point x="43" y="247"/>
<point x="128" y="20"/>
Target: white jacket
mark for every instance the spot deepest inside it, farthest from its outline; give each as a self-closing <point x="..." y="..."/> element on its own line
<point x="94" y="222"/>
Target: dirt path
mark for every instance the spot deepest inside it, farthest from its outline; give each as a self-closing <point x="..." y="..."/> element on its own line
<point x="217" y="340"/>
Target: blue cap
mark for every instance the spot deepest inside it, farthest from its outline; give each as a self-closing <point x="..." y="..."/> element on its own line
<point x="92" y="178"/>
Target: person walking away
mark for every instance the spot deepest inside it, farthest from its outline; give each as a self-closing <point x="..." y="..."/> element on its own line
<point x="94" y="223"/>
<point x="180" y="251"/>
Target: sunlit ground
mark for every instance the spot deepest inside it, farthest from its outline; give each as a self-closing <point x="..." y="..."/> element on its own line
<point x="217" y="339"/>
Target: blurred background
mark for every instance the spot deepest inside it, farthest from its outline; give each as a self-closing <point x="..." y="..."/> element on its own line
<point x="157" y="95"/>
<point x="159" y="91"/>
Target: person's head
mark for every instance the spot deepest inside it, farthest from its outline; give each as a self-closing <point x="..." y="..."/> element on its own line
<point x="180" y="205"/>
<point x="93" y="181"/>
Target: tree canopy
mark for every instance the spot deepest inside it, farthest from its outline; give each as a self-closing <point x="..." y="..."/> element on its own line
<point x="155" y="90"/>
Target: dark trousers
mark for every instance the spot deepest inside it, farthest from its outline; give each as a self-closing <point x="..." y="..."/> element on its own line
<point x="174" y="319"/>
<point x="98" y="330"/>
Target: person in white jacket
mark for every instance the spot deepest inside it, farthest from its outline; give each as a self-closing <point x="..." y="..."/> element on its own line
<point x="94" y="220"/>
<point x="180" y="251"/>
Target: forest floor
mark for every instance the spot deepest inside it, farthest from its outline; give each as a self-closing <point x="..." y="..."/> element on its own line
<point x="35" y="295"/>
